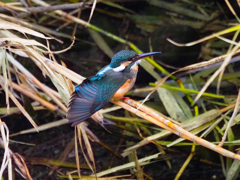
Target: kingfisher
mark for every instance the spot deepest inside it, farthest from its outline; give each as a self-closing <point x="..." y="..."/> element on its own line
<point x="112" y="81"/>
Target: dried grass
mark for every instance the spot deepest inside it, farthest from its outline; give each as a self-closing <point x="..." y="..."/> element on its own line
<point x="14" y="43"/>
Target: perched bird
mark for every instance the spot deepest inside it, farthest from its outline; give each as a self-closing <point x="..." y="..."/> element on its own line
<point x="113" y="81"/>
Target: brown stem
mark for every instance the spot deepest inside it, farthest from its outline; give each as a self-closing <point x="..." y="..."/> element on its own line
<point x="32" y="95"/>
<point x="50" y="8"/>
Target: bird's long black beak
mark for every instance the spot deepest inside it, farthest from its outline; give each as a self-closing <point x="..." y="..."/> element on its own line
<point x="143" y="55"/>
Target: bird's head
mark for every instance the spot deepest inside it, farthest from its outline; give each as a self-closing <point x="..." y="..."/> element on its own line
<point x="125" y="57"/>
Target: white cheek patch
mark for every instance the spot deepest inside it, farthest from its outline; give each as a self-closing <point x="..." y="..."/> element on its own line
<point x="119" y="68"/>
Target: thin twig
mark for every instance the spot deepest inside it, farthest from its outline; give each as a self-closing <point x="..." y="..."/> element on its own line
<point x="49" y="8"/>
<point x="166" y="124"/>
<point x="31" y="95"/>
<point x="236" y="109"/>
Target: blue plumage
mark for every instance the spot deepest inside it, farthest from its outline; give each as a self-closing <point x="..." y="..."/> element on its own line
<point x="121" y="56"/>
<point x="93" y="95"/>
<point x="95" y="92"/>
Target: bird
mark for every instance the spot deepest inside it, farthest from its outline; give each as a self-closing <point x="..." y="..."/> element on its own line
<point x="112" y="81"/>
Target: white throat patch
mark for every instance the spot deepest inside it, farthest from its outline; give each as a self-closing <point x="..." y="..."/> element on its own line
<point x="119" y="68"/>
<point x="136" y="63"/>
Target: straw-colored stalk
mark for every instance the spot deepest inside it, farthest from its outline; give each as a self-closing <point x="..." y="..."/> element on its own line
<point x="133" y="106"/>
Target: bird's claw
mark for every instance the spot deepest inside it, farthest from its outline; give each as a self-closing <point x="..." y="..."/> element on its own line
<point x="125" y="98"/>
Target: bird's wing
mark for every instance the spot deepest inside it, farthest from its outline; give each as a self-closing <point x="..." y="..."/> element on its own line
<point x="84" y="103"/>
<point x="91" y="96"/>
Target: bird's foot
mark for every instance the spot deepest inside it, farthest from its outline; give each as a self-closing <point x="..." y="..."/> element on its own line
<point x="125" y="98"/>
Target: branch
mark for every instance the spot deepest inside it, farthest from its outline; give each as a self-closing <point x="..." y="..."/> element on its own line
<point x="49" y="8"/>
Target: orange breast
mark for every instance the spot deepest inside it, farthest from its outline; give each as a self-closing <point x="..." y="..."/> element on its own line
<point x="127" y="86"/>
<point x="124" y="89"/>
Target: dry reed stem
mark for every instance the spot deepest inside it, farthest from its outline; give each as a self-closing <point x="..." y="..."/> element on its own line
<point x="9" y="7"/>
<point x="143" y="114"/>
<point x="26" y="74"/>
<point x="22" y="109"/>
<point x="21" y="165"/>
<point x="219" y="71"/>
<point x="64" y="155"/>
<point x="162" y="122"/>
<point x="55" y="93"/>
<point x="65" y="72"/>
<point x="55" y="99"/>
<point x="51" y="93"/>
<point x="235" y="112"/>
<point x="42" y="127"/>
<point x="9" y="155"/>
<point x="4" y="141"/>
<point x="31" y="95"/>
<point x="47" y="9"/>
